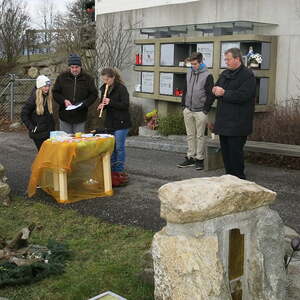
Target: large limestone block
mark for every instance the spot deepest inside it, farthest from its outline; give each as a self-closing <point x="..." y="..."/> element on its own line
<point x="2" y="170"/>
<point x="188" y="268"/>
<point x="266" y="273"/>
<point x="200" y="199"/>
<point x="46" y="71"/>
<point x="33" y="72"/>
<point x="4" y="188"/>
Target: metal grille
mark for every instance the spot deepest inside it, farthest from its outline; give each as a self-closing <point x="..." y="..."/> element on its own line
<point x="14" y="92"/>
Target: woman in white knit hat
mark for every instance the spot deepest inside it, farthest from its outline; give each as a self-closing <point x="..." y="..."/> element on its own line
<point x="37" y="113"/>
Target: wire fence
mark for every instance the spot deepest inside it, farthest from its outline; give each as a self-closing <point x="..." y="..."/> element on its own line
<point x="14" y="92"/>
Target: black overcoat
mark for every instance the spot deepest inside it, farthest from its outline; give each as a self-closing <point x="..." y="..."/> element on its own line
<point x="75" y="89"/>
<point x="235" y="110"/>
<point x="39" y="126"/>
<point x="117" y="111"/>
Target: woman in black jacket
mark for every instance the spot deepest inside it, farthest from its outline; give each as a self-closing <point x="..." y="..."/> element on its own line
<point x="117" y="120"/>
<point x="37" y="113"/>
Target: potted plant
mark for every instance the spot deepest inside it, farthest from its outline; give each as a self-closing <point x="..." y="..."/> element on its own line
<point x="254" y="60"/>
<point x="151" y="119"/>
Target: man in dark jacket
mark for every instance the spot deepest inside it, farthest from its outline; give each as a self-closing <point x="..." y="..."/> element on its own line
<point x="197" y="100"/>
<point x="235" y="91"/>
<point x="74" y="91"/>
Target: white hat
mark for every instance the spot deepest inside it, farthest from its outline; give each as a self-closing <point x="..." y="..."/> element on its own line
<point x="42" y="80"/>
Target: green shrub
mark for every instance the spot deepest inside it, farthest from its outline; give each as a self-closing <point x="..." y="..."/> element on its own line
<point x="172" y="124"/>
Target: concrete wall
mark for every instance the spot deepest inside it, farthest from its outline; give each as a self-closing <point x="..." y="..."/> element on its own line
<point x="285" y="14"/>
<point x="108" y="6"/>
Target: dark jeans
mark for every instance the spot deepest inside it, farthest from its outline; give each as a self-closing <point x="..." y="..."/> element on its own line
<point x="39" y="142"/>
<point x="233" y="154"/>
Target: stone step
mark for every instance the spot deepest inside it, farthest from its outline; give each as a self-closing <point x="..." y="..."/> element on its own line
<point x="157" y="143"/>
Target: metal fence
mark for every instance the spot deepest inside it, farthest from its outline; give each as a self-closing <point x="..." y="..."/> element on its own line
<point x="14" y="92"/>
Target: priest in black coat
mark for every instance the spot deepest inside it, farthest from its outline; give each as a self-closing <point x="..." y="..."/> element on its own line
<point x="235" y="91"/>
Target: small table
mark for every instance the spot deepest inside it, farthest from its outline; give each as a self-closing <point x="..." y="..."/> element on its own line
<point x="73" y="170"/>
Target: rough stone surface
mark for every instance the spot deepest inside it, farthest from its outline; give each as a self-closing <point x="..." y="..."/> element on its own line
<point x="4" y="188"/>
<point x="45" y="71"/>
<point x="188" y="268"/>
<point x="293" y="289"/>
<point x="264" y="248"/>
<point x="200" y="199"/>
<point x="33" y="72"/>
<point x="145" y="131"/>
<point x="200" y="214"/>
<point x="147" y="275"/>
<point x="15" y="125"/>
<point x="266" y="276"/>
<point x="157" y="143"/>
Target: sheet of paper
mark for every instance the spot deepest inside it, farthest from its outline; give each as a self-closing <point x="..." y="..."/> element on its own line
<point x="207" y="50"/>
<point x="148" y="55"/>
<point x="167" y="54"/>
<point x="147" y="82"/>
<point x="166" y="83"/>
<point x="71" y="107"/>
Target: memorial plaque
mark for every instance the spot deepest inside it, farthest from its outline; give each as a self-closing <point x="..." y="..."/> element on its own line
<point x="167" y="55"/>
<point x="166" y="83"/>
<point x="207" y="50"/>
<point x="148" y="55"/>
<point x="147" y="82"/>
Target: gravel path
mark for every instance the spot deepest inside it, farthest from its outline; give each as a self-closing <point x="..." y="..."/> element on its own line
<point x="137" y="204"/>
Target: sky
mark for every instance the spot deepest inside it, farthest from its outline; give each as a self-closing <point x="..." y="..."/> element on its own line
<point x="33" y="7"/>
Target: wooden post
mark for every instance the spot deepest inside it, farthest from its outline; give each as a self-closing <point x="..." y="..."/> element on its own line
<point x="106" y="172"/>
<point x="63" y="187"/>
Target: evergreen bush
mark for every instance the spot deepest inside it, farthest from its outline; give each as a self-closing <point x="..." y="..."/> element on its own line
<point x="11" y="274"/>
<point x="173" y="124"/>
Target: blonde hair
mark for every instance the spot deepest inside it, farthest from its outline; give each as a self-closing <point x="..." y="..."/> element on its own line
<point x="39" y="101"/>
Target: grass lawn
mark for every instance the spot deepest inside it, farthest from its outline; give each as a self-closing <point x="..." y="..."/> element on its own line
<point x="104" y="256"/>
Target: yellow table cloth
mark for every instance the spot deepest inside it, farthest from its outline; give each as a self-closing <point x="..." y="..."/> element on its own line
<point x="73" y="170"/>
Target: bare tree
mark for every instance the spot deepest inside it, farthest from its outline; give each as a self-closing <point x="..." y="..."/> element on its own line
<point x="69" y="27"/>
<point x="14" y="21"/>
<point x="114" y="42"/>
<point x="110" y="46"/>
<point x="48" y="15"/>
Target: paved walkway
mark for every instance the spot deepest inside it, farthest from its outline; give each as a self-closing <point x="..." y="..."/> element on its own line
<point x="137" y="203"/>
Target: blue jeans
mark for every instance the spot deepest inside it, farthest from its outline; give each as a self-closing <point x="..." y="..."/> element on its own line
<point x="119" y="154"/>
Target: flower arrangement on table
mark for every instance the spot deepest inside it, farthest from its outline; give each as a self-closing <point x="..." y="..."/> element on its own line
<point x="151" y="119"/>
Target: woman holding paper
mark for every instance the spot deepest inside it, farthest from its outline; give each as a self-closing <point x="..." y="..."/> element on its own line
<point x="116" y="104"/>
<point x="37" y="113"/>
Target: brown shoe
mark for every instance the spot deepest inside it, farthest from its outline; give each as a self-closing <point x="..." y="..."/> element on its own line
<point x="118" y="179"/>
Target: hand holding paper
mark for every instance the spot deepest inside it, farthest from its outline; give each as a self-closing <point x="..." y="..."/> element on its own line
<point x="72" y="107"/>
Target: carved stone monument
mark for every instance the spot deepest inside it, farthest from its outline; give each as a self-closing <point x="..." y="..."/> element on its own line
<point x="221" y="242"/>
